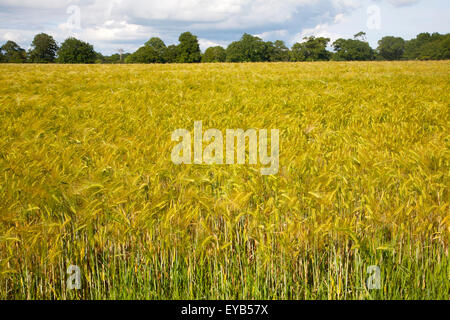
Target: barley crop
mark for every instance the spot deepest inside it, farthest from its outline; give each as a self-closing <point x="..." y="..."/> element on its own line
<point x="86" y="179"/>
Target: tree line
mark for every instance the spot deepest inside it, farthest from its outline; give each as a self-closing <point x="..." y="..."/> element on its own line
<point x="44" y="49"/>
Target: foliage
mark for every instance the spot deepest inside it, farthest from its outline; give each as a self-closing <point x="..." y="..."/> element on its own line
<point x="352" y="50"/>
<point x="361" y="36"/>
<point x="13" y="53"/>
<point x="145" y="54"/>
<point x="277" y="51"/>
<point x="43" y="49"/>
<point x="115" y="58"/>
<point x="73" y="50"/>
<point x="214" y="54"/>
<point x="159" y="46"/>
<point x="312" y="49"/>
<point x="188" y="49"/>
<point x="391" y="48"/>
<point x="428" y="47"/>
<point x="171" y="54"/>
<point x="248" y="49"/>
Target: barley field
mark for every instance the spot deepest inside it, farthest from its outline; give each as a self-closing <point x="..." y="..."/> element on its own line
<point x="86" y="179"/>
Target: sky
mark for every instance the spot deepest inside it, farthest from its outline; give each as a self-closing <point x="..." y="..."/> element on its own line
<point x="127" y="24"/>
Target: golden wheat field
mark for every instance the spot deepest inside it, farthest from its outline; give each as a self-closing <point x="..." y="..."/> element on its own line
<point x="86" y="179"/>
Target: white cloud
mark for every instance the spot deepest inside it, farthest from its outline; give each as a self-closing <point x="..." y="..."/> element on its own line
<point x="403" y="3"/>
<point x="107" y="22"/>
<point x="110" y="31"/>
<point x="110" y="23"/>
<point x="46" y="4"/>
<point x="321" y="30"/>
<point x="205" y="44"/>
<point x="344" y="4"/>
<point x="12" y="35"/>
<point x="275" y="34"/>
<point x="339" y="18"/>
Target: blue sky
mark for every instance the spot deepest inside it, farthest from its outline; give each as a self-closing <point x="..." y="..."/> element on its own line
<point x="113" y="24"/>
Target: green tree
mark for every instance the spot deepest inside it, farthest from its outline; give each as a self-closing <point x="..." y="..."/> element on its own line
<point x="352" y="50"/>
<point x="43" y="49"/>
<point x="277" y="51"/>
<point x="214" y="54"/>
<point x="171" y="54"/>
<point x="391" y="48"/>
<point x="76" y="51"/>
<point x="428" y="47"/>
<point x="361" y="36"/>
<point x="188" y="49"/>
<point x="247" y="49"/>
<point x="159" y="46"/>
<point x="235" y="52"/>
<point x="99" y="58"/>
<point x="312" y="49"/>
<point x="145" y="54"/>
<point x="115" y="58"/>
<point x="443" y="52"/>
<point x="13" y="53"/>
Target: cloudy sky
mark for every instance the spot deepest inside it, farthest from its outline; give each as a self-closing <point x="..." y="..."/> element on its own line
<point x="113" y="24"/>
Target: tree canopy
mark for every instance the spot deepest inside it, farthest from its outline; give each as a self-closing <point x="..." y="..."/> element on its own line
<point x="188" y="49"/>
<point x="73" y="50"/>
<point x="277" y="51"/>
<point x="214" y="54"/>
<point x="391" y="48"/>
<point x="313" y="49"/>
<point x="171" y="54"/>
<point x="43" y="49"/>
<point x="145" y="54"/>
<point x="428" y="47"/>
<point x="13" y="53"/>
<point x="114" y="58"/>
<point x="159" y="46"/>
<point x="154" y="51"/>
<point x="352" y="50"/>
<point x="248" y="48"/>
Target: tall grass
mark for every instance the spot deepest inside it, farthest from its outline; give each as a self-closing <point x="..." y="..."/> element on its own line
<point x="86" y="179"/>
